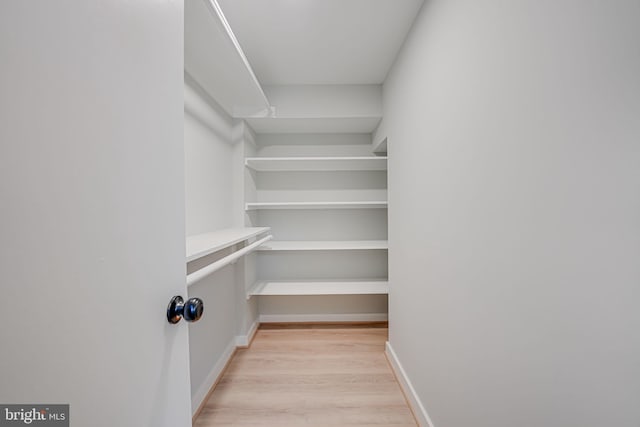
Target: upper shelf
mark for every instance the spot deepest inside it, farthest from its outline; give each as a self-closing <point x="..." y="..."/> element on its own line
<point x="276" y="164"/>
<point x="316" y="205"/>
<point x="328" y="245"/>
<point x="313" y="124"/>
<point x="214" y="58"/>
<point x="204" y="244"/>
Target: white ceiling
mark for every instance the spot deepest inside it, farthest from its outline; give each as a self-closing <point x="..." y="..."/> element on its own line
<point x="320" y="41"/>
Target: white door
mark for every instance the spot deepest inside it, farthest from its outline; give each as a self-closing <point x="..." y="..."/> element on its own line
<point x="92" y="210"/>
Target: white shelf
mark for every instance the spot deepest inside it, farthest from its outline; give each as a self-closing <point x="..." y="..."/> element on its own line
<point x="313" y="124"/>
<point x="322" y="164"/>
<point x="345" y="245"/>
<point x="204" y="244"/>
<point x="214" y="58"/>
<point x="364" y="287"/>
<point x="316" y="205"/>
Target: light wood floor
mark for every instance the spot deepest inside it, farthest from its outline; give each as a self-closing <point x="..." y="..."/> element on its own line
<point x="314" y="376"/>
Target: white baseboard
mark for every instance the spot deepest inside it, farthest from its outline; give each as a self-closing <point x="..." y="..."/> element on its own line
<point x="416" y="405"/>
<point x="293" y="318"/>
<point x="214" y="374"/>
<point x="245" y="340"/>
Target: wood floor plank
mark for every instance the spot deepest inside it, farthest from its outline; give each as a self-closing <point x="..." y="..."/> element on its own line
<point x="309" y="377"/>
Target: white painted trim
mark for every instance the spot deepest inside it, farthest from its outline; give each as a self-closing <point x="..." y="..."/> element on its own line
<point x="245" y="340"/>
<point x="214" y="374"/>
<point x="293" y="318"/>
<point x="416" y="405"/>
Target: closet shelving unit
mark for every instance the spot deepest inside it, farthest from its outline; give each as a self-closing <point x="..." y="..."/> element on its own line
<point x="295" y="168"/>
<point x="331" y="237"/>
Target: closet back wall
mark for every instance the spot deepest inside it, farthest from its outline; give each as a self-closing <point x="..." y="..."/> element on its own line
<point x="208" y="161"/>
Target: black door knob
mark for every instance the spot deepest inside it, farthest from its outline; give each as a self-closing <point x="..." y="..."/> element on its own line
<point x="191" y="310"/>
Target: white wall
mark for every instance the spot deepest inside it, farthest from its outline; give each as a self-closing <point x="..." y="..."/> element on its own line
<point x="212" y="338"/>
<point x="209" y="157"/>
<point x="514" y="219"/>
<point x="208" y="162"/>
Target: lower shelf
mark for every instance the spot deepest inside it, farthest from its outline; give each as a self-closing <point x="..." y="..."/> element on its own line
<point x="370" y="287"/>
